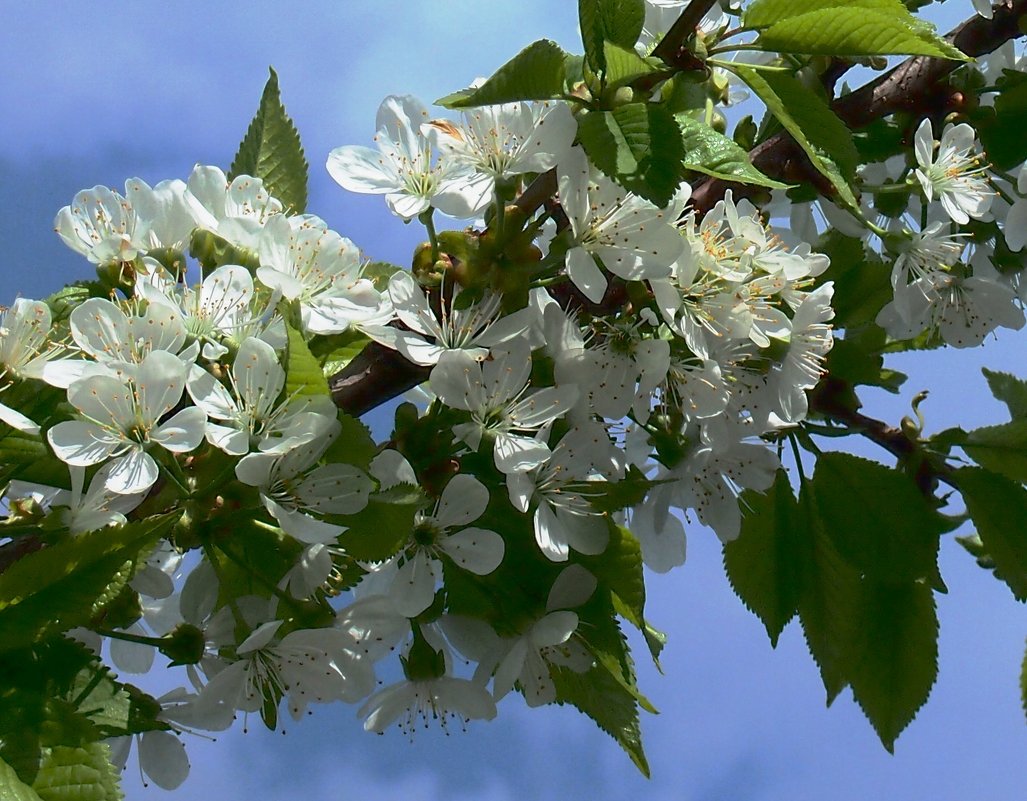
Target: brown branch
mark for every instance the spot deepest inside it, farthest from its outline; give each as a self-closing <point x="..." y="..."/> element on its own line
<point x="376" y="375"/>
<point x="911" y="86"/>
<point x="671" y="48"/>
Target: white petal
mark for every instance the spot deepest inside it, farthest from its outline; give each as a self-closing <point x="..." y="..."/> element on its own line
<point x="585" y="275"/>
<point x="474" y="549"/>
<point x="162" y="757"/>
<point x="134" y="472"/>
<point x="463" y="500"/>
<point x="182" y="433"/>
<point x="554" y="629"/>
<point x="515" y="453"/>
<point x="82" y="444"/>
<point x="413" y="589"/>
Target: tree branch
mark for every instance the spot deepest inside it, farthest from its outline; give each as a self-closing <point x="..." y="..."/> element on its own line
<point x="907" y="87"/>
<point x="671" y="48"/>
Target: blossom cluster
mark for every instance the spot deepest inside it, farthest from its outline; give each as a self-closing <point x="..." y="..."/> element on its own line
<point x="637" y="375"/>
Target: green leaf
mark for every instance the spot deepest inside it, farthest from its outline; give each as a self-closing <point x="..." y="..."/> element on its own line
<point x="876" y="517"/>
<point x="616" y="21"/>
<point x="600" y="695"/>
<point x="638" y="145"/>
<point x="829" y="599"/>
<point x="354" y="445"/>
<point x="998" y="508"/>
<point x="382" y="528"/>
<point x="12" y="788"/>
<point x="1009" y="389"/>
<point x="83" y="773"/>
<point x="64" y="585"/>
<point x="895" y="654"/>
<point x="536" y="73"/>
<point x="335" y="351"/>
<point x="851" y="30"/>
<point x="807" y="117"/>
<point x="714" y="154"/>
<point x="271" y="151"/>
<point x="999" y="126"/>
<point x="303" y="375"/>
<point x="766" y="12"/>
<point x="624" y="65"/>
<point x="763" y="564"/>
<point x="862" y="282"/>
<point x="1001" y="449"/>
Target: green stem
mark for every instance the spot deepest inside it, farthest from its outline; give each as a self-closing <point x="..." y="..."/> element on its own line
<point x="886" y="189"/>
<point x="500" y="219"/>
<point x="240" y="621"/>
<point x="426" y="218"/>
<point x="1001" y="192"/>
<point x="139" y="639"/>
<point x="797" y="455"/>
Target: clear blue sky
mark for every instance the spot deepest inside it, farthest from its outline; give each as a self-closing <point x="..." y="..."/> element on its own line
<point x="99" y="92"/>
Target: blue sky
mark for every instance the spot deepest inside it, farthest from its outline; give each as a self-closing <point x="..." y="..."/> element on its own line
<point x="100" y="92"/>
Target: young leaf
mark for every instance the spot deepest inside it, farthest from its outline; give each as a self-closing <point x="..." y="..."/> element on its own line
<point x="998" y="508"/>
<point x="624" y="65"/>
<point x="354" y="445"/>
<point x="600" y="695"/>
<point x="1001" y="449"/>
<point x="850" y="30"/>
<point x="714" y="154"/>
<point x="271" y="151"/>
<point x="807" y="117"/>
<point x="12" y="788"/>
<point x="381" y="529"/>
<point x="876" y="517"/>
<point x="64" y="585"/>
<point x="764" y="564"/>
<point x="536" y="73"/>
<point x="334" y="352"/>
<point x="1009" y="389"/>
<point x="639" y="146"/>
<point x="84" y="773"/>
<point x="616" y="21"/>
<point x="303" y="375"/>
<point x="894" y="658"/>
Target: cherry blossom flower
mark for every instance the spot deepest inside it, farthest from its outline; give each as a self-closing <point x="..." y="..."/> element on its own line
<point x="473" y="329"/>
<point x="251" y="414"/>
<point x="415" y="572"/>
<point x="630" y="236"/>
<point x="122" y="420"/>
<point x="401" y="168"/>
<point x="293" y="493"/>
<point x="424" y="700"/>
<point x="953" y="174"/>
<point x="305" y="261"/>
<point x="305" y="666"/>
<point x="102" y="226"/>
<point x="496" y="142"/>
<point x="495" y="395"/>
<point x="238" y="210"/>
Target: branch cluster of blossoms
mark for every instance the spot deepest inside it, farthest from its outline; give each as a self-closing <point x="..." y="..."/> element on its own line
<point x="592" y="362"/>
